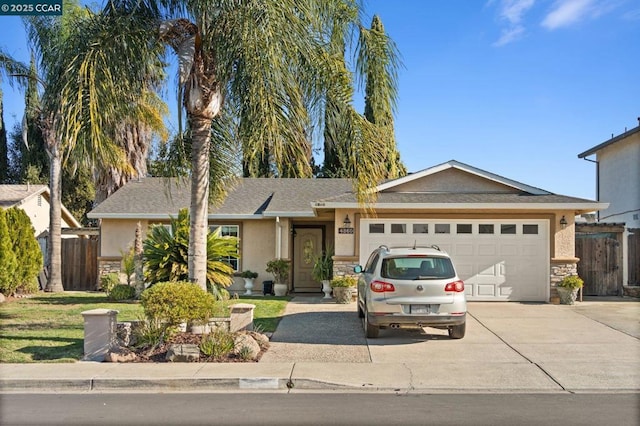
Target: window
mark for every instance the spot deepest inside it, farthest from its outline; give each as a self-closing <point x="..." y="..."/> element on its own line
<point x="376" y="228"/>
<point x="508" y="229"/>
<point x="228" y="231"/>
<point x="484" y="228"/>
<point x="420" y="228"/>
<point x="530" y="229"/>
<point x="464" y="228"/>
<point x="398" y="228"/>
<point x="443" y="228"/>
<point x="417" y="268"/>
<point x="371" y="263"/>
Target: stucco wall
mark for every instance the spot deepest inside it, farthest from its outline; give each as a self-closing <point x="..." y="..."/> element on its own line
<point x="39" y="214"/>
<point x="118" y="235"/>
<point x="452" y="180"/>
<point x="619" y="169"/>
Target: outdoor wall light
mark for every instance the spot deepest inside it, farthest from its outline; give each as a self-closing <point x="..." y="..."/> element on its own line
<point x="347" y="222"/>
<point x="563" y="222"/>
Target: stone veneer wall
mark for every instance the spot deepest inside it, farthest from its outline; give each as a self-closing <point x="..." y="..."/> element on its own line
<point x="108" y="265"/>
<point x="558" y="272"/>
<point x="342" y="267"/>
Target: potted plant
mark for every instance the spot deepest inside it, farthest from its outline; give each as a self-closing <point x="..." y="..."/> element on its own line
<point x="568" y="289"/>
<point x="248" y="277"/>
<point x="323" y="271"/>
<point x="280" y="270"/>
<point x="343" y="288"/>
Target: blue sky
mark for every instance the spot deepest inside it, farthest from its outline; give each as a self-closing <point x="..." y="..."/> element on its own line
<point x="516" y="87"/>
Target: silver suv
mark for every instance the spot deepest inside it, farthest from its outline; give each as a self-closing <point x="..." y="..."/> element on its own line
<point x="411" y="287"/>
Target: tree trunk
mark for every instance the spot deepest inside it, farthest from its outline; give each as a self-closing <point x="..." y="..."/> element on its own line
<point x="54" y="247"/>
<point x="201" y="140"/>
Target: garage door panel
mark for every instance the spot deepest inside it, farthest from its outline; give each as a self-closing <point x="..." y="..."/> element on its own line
<point x="511" y="267"/>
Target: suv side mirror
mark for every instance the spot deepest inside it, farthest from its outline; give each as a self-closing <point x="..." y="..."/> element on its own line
<point x="357" y="269"/>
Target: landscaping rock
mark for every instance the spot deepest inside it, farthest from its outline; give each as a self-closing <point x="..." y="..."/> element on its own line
<point x="246" y="341"/>
<point x="2" y="298"/>
<point x="262" y="339"/>
<point x="120" y="354"/>
<point x="183" y="353"/>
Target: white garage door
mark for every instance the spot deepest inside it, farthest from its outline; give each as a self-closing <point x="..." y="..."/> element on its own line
<point x="504" y="260"/>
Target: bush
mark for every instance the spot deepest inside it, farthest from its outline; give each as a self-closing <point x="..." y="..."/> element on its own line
<point x="344" y="281"/>
<point x="165" y="255"/>
<point x="571" y="281"/>
<point x="27" y="251"/>
<point x="8" y="263"/>
<point x="177" y="302"/>
<point x="121" y="292"/>
<point x="150" y="333"/>
<point x="217" y="344"/>
<point x="109" y="281"/>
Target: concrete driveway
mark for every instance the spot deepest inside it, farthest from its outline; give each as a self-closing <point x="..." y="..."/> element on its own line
<point x="594" y="345"/>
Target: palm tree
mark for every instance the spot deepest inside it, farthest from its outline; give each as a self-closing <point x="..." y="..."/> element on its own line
<point x="266" y="64"/>
<point x="82" y="100"/>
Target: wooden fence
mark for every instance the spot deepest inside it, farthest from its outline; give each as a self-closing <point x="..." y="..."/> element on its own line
<point x="599" y="247"/>
<point x="634" y="256"/>
<point x="79" y="263"/>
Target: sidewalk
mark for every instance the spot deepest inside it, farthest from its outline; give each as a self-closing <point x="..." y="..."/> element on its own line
<point x="319" y="345"/>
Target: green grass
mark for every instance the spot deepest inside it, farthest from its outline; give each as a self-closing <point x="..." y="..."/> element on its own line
<point x="48" y="327"/>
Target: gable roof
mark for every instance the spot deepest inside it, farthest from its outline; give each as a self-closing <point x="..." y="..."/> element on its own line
<point x="16" y="195"/>
<point x="256" y="198"/>
<point x="453" y="164"/>
<point x="609" y="142"/>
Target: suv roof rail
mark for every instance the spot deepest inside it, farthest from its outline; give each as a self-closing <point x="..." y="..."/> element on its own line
<point x="432" y="246"/>
<point x="385" y="247"/>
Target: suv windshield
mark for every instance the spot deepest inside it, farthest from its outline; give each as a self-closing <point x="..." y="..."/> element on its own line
<point x="417" y="268"/>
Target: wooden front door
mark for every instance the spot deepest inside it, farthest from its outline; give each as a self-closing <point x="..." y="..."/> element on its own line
<point x="307" y="246"/>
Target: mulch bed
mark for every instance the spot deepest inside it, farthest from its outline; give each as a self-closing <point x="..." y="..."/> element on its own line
<point x="158" y="354"/>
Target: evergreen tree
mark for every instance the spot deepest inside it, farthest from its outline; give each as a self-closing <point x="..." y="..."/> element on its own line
<point x="380" y="91"/>
<point x="25" y="248"/>
<point x="4" y="148"/>
<point x="8" y="262"/>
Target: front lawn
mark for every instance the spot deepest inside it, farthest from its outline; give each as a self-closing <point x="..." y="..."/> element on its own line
<point x="48" y="327"/>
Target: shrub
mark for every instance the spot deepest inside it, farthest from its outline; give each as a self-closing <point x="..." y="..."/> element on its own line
<point x="165" y="255"/>
<point x="217" y="344"/>
<point x="8" y="262"/>
<point x="128" y="263"/>
<point x="176" y="302"/>
<point x="344" y="281"/>
<point x="571" y="281"/>
<point x="121" y="292"/>
<point x="109" y="281"/>
<point x="150" y="333"/>
<point x="27" y="251"/>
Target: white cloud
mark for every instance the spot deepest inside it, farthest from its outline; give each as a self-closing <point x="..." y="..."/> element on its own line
<point x="512" y="12"/>
<point x="632" y="15"/>
<point x="568" y="12"/>
<point x="509" y="35"/>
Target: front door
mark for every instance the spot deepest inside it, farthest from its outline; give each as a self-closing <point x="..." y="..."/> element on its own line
<point x="307" y="246"/>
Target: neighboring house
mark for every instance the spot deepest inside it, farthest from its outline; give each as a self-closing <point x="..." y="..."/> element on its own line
<point x="618" y="184"/>
<point x="618" y="177"/>
<point x="34" y="200"/>
<point x="509" y="241"/>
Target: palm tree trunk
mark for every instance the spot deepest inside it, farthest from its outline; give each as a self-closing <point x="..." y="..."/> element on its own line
<point x="54" y="247"/>
<point x="201" y="140"/>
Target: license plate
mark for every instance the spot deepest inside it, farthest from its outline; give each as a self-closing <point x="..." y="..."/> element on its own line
<point x="420" y="309"/>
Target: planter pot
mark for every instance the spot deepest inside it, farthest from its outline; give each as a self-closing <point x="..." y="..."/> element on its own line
<point x="326" y="289"/>
<point x="343" y="294"/>
<point x="567" y="295"/>
<point x="280" y="289"/>
<point x="248" y="286"/>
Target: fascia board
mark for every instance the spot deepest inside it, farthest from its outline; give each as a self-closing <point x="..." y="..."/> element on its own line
<point x="472" y="206"/>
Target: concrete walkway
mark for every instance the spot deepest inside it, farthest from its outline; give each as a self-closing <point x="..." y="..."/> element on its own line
<point x="593" y="346"/>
